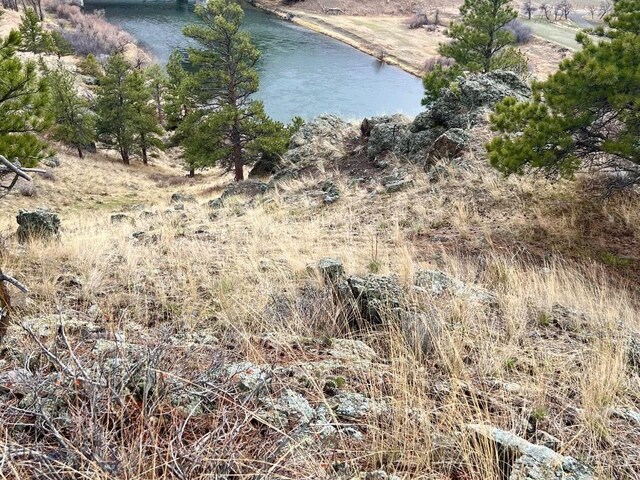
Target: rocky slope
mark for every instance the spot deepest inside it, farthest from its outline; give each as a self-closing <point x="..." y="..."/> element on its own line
<point x="383" y="306"/>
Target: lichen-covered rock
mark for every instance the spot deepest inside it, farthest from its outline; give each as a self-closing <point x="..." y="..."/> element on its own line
<point x="247" y="376"/>
<point x="322" y="137"/>
<point x="377" y="297"/>
<point x="179" y="197"/>
<point x="438" y="283"/>
<point x="248" y="188"/>
<point x="292" y="404"/>
<point x="527" y="461"/>
<point x="331" y="192"/>
<point x="351" y="405"/>
<point x="331" y="269"/>
<point x="386" y="133"/>
<point x="17" y="382"/>
<point x="39" y="223"/>
<point x="470" y="99"/>
<point x="450" y="144"/>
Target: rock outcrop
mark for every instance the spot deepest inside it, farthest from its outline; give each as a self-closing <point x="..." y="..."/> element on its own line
<point x="39" y="223"/>
<point x="521" y="460"/>
<point x="440" y="131"/>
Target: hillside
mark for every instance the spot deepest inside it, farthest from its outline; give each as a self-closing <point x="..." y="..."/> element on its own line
<point x="168" y="337"/>
<point x="374" y="301"/>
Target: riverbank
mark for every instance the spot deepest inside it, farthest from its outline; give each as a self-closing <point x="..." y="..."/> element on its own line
<point x="388" y="38"/>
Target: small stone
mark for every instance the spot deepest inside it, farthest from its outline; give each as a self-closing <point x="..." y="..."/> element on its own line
<point x="179" y="197"/>
<point x="247" y="376"/>
<point x="18" y="381"/>
<point x="119" y="217"/>
<point x="52" y="162"/>
<point x="216" y="203"/>
<point x="331" y="269"/>
<point x="398" y="185"/>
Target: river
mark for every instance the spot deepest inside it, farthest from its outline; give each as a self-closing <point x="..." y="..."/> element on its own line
<point x="301" y="72"/>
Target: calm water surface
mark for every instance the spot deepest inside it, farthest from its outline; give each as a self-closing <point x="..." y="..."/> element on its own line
<point x="301" y="72"/>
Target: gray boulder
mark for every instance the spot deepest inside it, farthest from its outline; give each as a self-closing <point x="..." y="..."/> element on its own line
<point x="323" y="137"/>
<point x="450" y="144"/>
<point x="438" y="283"/>
<point x="385" y="134"/>
<point x="525" y="461"/>
<point x="39" y="223"/>
<point x="332" y="270"/>
<point x="377" y="297"/>
<point x="470" y="99"/>
<point x="248" y="188"/>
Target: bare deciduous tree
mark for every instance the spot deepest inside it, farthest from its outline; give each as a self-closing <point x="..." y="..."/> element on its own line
<point x="565" y="8"/>
<point x="605" y="7"/>
<point x="592" y="10"/>
<point x="545" y="9"/>
<point x="528" y="8"/>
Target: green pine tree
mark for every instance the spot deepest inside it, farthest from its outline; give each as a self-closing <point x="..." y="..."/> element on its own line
<point x="158" y="80"/>
<point x="126" y="117"/>
<point x="479" y="44"/>
<point x="23" y="105"/>
<point x="586" y="114"/>
<point x="227" y="120"/>
<point x="59" y="45"/>
<point x="480" y="36"/>
<point x="147" y="125"/>
<point x="180" y="98"/>
<point x="34" y="38"/>
<point x="74" y="121"/>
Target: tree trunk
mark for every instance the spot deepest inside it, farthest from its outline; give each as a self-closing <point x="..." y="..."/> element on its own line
<point x="125" y="156"/>
<point x="237" y="162"/>
<point x="192" y="172"/>
<point x="80" y="152"/>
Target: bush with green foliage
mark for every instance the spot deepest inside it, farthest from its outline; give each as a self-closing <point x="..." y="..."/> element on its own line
<point x="24" y="98"/>
<point x="586" y="114"/>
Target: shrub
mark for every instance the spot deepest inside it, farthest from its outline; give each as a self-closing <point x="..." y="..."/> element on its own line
<point x="431" y="63"/>
<point x="418" y="20"/>
<point x="523" y="33"/>
<point x="90" y="33"/>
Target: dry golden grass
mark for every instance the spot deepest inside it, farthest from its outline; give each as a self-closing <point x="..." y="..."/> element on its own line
<point x="193" y="276"/>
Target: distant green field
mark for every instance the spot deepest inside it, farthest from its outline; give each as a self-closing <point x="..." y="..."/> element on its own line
<point x="558" y="34"/>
